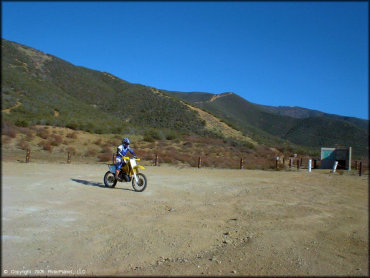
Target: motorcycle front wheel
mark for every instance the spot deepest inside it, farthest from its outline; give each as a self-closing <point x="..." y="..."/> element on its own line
<point x="140" y="185"/>
<point x="110" y="179"/>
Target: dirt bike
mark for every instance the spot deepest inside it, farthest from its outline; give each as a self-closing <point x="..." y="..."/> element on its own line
<point x="129" y="172"/>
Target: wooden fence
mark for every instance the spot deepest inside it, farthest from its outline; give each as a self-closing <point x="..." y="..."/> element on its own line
<point x="279" y="163"/>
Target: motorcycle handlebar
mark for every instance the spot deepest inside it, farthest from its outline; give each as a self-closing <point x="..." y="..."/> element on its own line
<point x="126" y="157"/>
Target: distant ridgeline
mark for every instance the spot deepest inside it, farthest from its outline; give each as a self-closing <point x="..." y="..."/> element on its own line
<point x="38" y="88"/>
<point x="297" y="125"/>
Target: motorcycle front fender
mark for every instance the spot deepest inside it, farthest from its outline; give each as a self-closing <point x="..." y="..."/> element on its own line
<point x="112" y="168"/>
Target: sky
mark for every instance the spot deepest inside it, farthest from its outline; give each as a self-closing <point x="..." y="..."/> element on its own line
<point x="308" y="54"/>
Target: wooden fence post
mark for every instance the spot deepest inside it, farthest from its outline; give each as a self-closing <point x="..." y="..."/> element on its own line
<point x="284" y="161"/>
<point x="69" y="158"/>
<point x="314" y="163"/>
<point x="277" y="162"/>
<point x="241" y="163"/>
<point x="114" y="158"/>
<point x="199" y="162"/>
<point x="360" y="169"/>
<point x="28" y="155"/>
<point x="290" y="162"/>
<point x="156" y="160"/>
<point x="298" y="164"/>
<point x="301" y="161"/>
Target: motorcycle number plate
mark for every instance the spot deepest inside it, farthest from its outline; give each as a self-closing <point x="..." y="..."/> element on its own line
<point x="133" y="163"/>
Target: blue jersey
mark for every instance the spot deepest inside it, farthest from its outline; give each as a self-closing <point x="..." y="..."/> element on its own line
<point x="122" y="150"/>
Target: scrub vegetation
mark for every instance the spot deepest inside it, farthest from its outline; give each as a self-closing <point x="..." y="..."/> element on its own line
<point x="39" y="89"/>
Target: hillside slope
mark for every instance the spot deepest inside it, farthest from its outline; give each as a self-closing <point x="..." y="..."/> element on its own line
<point x="266" y="126"/>
<point x="300" y="112"/>
<point x="38" y="88"/>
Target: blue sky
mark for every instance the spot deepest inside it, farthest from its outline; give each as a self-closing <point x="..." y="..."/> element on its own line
<point x="308" y="54"/>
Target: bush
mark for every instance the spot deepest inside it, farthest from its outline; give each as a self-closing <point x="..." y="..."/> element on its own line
<point x="72" y="135"/>
<point x="105" y="157"/>
<point x="23" y="145"/>
<point x="144" y="154"/>
<point x="29" y="134"/>
<point x="71" y="150"/>
<point x="22" y="123"/>
<point x="188" y="144"/>
<point x="46" y="146"/>
<point x="106" y="149"/>
<point x="171" y="135"/>
<point x="98" y="142"/>
<point x="9" y="131"/>
<point x="42" y="133"/>
<point x="167" y="158"/>
<point x="73" y="126"/>
<point x="56" y="140"/>
<point x="114" y="142"/>
<point x="148" y="138"/>
<point x="151" y="135"/>
<point x="91" y="152"/>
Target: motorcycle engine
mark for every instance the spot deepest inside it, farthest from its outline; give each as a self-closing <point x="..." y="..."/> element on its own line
<point x="125" y="177"/>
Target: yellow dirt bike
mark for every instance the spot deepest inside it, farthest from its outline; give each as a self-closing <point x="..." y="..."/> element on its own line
<point x="129" y="172"/>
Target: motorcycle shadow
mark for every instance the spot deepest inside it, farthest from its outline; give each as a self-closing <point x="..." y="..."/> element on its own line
<point x="98" y="184"/>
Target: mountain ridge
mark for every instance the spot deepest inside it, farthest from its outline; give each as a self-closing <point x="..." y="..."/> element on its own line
<point x="317" y="131"/>
<point x="95" y="101"/>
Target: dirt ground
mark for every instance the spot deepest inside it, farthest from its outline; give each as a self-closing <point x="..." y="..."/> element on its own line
<point x="59" y="219"/>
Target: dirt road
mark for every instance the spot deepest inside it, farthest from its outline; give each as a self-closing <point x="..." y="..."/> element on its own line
<point x="59" y="219"/>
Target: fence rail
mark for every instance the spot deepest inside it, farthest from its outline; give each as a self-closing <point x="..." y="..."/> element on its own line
<point x="240" y="164"/>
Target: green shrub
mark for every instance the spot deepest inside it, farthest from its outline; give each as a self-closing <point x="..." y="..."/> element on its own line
<point x="171" y="135"/>
<point x="148" y="138"/>
<point x="72" y="125"/>
<point x="22" y="123"/>
<point x="152" y="135"/>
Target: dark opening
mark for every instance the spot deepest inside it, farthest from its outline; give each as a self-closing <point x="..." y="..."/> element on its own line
<point x="341" y="164"/>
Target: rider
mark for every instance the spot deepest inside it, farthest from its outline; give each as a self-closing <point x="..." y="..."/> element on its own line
<point x="122" y="151"/>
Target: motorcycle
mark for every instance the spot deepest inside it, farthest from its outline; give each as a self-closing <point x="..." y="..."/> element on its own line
<point x="129" y="172"/>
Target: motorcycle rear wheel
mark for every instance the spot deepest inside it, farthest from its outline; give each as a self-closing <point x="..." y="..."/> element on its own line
<point x="140" y="185"/>
<point x="110" y="179"/>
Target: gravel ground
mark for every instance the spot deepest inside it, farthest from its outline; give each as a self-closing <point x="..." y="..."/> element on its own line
<point x="59" y="219"/>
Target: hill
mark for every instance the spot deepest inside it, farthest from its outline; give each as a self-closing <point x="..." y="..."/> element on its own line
<point x="41" y="89"/>
<point x="300" y="112"/>
<point x="272" y="125"/>
<point x="38" y="88"/>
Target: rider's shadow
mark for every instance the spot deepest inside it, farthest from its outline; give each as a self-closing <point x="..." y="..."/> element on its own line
<point x="98" y="184"/>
